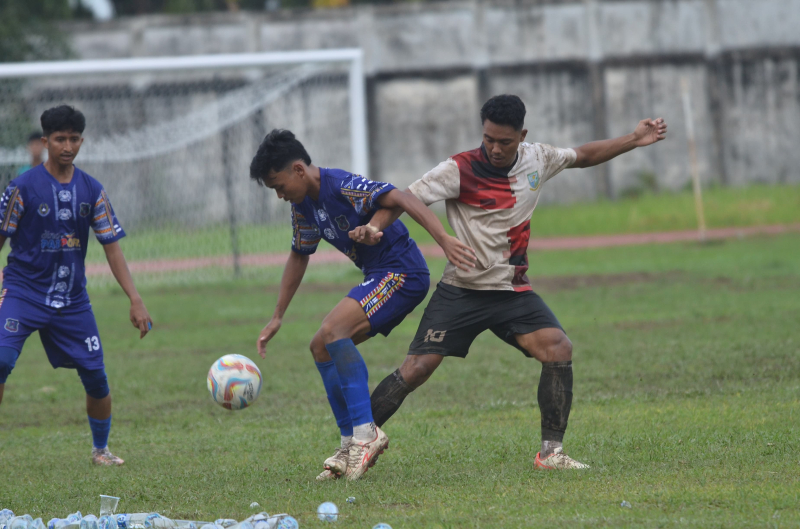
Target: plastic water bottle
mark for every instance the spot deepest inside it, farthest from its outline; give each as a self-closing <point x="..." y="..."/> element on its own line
<point x="287" y="522"/>
<point x="89" y="522"/>
<point x="5" y="516"/>
<point x="19" y="522"/>
<point x="382" y="526"/>
<point x="37" y="524"/>
<point x="108" y="521"/>
<point x="225" y="522"/>
<point x="328" y="512"/>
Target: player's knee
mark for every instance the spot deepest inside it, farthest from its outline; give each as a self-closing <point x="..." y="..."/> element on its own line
<point x="560" y="350"/>
<point x="416" y="369"/>
<point x="317" y="347"/>
<point x="8" y="359"/>
<point x="95" y="382"/>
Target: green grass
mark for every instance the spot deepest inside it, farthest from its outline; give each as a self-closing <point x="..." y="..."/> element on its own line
<point x="724" y="207"/>
<point x="687" y="404"/>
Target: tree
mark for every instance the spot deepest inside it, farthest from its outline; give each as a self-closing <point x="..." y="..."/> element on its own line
<point x="28" y="29"/>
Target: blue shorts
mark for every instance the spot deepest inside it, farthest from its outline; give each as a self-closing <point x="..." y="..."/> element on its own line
<point x="70" y="340"/>
<point x="388" y="297"/>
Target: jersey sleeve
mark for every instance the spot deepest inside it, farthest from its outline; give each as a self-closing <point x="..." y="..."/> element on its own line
<point x="104" y="221"/>
<point x="363" y="193"/>
<point x="554" y="160"/>
<point x="443" y="182"/>
<point x="305" y="234"/>
<point x="12" y="208"/>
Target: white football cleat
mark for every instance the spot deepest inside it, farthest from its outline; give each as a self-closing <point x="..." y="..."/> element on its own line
<point x="103" y="457"/>
<point x="362" y="455"/>
<point x="558" y="460"/>
<point x="335" y="466"/>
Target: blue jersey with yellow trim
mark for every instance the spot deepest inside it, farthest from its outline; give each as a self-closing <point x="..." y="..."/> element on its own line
<point x="48" y="223"/>
<point x="347" y="200"/>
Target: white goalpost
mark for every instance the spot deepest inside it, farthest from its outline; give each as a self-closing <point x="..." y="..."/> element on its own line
<point x="171" y="138"/>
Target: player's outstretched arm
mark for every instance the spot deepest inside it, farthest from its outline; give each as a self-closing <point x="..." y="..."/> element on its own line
<point x="371" y="233"/>
<point x="292" y="276"/>
<point x="139" y="316"/>
<point x="457" y="252"/>
<point x="647" y="132"/>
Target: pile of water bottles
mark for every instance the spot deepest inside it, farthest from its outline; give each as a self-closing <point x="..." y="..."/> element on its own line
<point x="109" y="520"/>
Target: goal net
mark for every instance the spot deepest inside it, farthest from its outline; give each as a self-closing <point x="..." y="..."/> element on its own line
<point x="171" y="139"/>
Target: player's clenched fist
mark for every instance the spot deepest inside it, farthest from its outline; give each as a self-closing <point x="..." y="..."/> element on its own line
<point x="267" y="333"/>
<point x="366" y="234"/>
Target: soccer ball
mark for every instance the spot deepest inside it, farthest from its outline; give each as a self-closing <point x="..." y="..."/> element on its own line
<point x="234" y="382"/>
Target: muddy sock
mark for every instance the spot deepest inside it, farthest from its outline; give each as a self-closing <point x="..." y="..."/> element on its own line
<point x="388" y="396"/>
<point x="555" y="401"/>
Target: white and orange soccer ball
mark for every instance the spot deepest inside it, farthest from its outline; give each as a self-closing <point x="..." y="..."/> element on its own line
<point x="234" y="382"/>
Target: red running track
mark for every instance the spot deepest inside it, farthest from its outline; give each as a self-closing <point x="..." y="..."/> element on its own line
<point x="555" y="243"/>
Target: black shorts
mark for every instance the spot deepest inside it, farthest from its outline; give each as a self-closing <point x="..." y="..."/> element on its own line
<point x="455" y="316"/>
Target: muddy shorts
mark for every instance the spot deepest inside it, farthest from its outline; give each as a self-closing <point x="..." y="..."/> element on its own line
<point x="455" y="316"/>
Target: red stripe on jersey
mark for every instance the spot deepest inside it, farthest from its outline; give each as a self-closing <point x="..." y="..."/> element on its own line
<point x="479" y="186"/>
<point x="519" y="236"/>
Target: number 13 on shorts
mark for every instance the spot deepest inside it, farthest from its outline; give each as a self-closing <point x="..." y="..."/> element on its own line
<point x="92" y="343"/>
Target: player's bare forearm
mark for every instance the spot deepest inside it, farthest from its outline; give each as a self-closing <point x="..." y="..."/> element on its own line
<point x="405" y="201"/>
<point x="383" y="218"/>
<point x="139" y="316"/>
<point x="647" y="132"/>
<point x="119" y="267"/>
<point x="292" y="276"/>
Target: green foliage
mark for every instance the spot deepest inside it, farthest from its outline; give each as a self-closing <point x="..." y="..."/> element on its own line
<point x="28" y="30"/>
<point x="687" y="366"/>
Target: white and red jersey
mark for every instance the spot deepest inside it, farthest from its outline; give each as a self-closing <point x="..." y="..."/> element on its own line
<point x="490" y="210"/>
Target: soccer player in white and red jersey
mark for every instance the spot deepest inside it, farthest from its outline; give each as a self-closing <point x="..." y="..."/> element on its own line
<point x="490" y="194"/>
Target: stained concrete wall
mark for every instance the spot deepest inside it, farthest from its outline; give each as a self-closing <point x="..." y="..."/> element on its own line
<point x="585" y="69"/>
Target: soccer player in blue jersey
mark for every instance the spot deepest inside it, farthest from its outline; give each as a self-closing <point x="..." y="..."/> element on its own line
<point x="328" y="204"/>
<point x="46" y="214"/>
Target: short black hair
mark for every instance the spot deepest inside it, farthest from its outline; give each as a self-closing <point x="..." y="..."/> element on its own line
<point x="35" y="136"/>
<point x="504" y="109"/>
<point x="279" y="149"/>
<point x="63" y="118"/>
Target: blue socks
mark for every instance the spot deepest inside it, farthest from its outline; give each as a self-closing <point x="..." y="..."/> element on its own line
<point x="354" y="377"/>
<point x="333" y="387"/>
<point x="100" y="431"/>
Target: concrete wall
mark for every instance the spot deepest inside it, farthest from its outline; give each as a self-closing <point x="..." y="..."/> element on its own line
<point x="585" y="69"/>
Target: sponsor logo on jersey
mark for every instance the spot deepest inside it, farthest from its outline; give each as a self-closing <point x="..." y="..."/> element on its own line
<point x="61" y="286"/>
<point x="329" y="233"/>
<point x="63" y="271"/>
<point x="57" y="304"/>
<point x="341" y="221"/>
<point x="365" y="283"/>
<point x="533" y="180"/>
<point x="323" y="216"/>
<point x="64" y="214"/>
<point x="64" y="196"/>
<point x="54" y="242"/>
<point x="12" y="325"/>
<point x="44" y="209"/>
<point x="86" y="209"/>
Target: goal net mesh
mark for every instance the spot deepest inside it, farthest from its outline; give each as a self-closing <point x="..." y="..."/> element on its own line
<point x="173" y="150"/>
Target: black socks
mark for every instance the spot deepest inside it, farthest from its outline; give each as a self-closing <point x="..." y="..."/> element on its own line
<point x="389" y="395"/>
<point x="555" y="399"/>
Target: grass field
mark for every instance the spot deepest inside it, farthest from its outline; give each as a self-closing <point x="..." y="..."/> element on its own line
<point x="724" y="207"/>
<point x="687" y="404"/>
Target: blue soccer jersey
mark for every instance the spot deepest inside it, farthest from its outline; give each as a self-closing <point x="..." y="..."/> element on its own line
<point x="345" y="201"/>
<point x="48" y="225"/>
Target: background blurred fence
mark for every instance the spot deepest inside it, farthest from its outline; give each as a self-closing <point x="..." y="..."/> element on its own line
<point x="173" y="146"/>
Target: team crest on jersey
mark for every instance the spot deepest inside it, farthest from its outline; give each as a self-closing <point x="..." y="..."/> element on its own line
<point x="64" y="196"/>
<point x="86" y="208"/>
<point x="12" y="325"/>
<point x="533" y="180"/>
<point x="341" y="221"/>
<point x="44" y="209"/>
